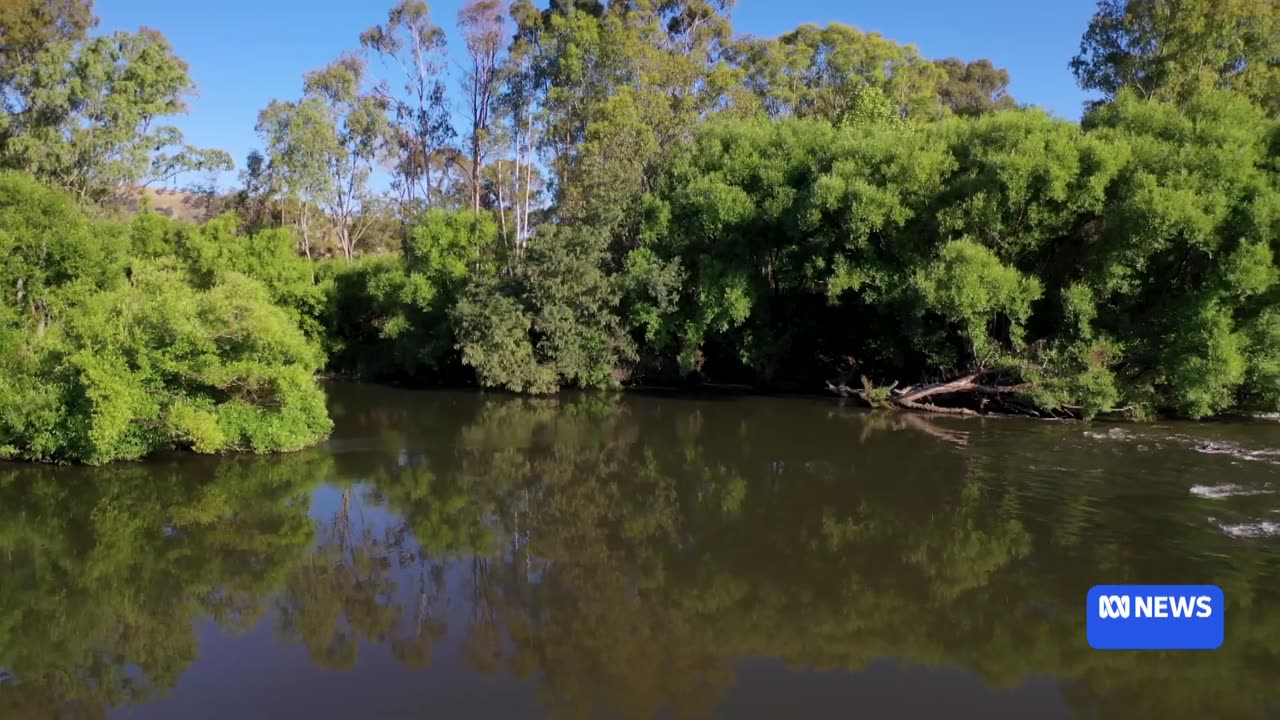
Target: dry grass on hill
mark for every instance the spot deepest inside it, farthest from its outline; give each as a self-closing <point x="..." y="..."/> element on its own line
<point x="177" y="204"/>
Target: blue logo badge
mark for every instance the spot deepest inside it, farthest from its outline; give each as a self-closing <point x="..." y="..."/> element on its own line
<point x="1155" y="617"/>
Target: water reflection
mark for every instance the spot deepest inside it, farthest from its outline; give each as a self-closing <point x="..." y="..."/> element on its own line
<point x="629" y="558"/>
<point x="105" y="572"/>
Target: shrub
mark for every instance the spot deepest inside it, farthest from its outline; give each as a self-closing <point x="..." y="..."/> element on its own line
<point x="106" y="357"/>
<point x="554" y="322"/>
<point x="159" y="364"/>
<point x="388" y="316"/>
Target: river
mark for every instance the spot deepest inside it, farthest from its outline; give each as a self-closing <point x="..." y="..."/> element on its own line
<point x="465" y="555"/>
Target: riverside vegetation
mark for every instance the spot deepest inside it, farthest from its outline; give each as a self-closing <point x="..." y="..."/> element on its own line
<point x="629" y="193"/>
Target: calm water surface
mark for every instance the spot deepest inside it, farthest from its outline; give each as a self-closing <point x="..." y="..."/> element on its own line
<point x="452" y="555"/>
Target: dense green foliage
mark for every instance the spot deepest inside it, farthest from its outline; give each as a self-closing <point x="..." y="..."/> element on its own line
<point x="1173" y="49"/>
<point x="553" y="322"/>
<point x="858" y="210"/>
<point x="217" y="248"/>
<point x="1131" y="261"/>
<point x="643" y="197"/>
<point x="110" y="352"/>
<point x="388" y="316"/>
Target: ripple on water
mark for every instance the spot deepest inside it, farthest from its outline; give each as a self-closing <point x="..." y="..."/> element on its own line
<point x="1217" y="492"/>
<point x="1267" y="455"/>
<point x="1112" y="434"/>
<point x="1258" y="529"/>
<point x="1233" y="450"/>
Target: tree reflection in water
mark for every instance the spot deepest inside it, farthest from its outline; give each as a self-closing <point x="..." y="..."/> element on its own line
<point x="623" y="556"/>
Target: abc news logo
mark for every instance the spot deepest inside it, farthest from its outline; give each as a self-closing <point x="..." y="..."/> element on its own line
<point x="1152" y="606"/>
<point x="1155" y="617"/>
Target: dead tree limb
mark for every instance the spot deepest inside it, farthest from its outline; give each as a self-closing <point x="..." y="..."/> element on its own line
<point x="913" y="397"/>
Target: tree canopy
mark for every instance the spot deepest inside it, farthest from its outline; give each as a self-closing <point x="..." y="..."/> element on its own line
<point x="1172" y="49"/>
<point x="84" y="114"/>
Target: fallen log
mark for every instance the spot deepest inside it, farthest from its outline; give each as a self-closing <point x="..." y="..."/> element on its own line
<point x="925" y="407"/>
<point x="913" y="397"/>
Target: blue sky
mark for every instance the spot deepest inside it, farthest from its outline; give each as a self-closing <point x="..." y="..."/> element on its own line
<point x="243" y="53"/>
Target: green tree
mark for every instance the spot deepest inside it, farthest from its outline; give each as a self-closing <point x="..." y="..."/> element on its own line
<point x="611" y="91"/>
<point x="303" y="146"/>
<point x="27" y="26"/>
<point x="1172" y="49"/>
<point x="253" y="202"/>
<point x="553" y="322"/>
<point x="973" y="88"/>
<point x="359" y="126"/>
<point x="817" y="71"/>
<point x="423" y="127"/>
<point x="517" y="116"/>
<point x="85" y="116"/>
<point x="483" y="27"/>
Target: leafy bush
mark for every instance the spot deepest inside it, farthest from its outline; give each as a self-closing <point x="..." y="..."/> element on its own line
<point x="388" y="316"/>
<point x="157" y="364"/>
<point x="554" y="322"/>
<point x="210" y="251"/>
<point x="103" y="357"/>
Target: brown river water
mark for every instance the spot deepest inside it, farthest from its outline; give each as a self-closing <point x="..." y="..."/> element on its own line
<point x="468" y="555"/>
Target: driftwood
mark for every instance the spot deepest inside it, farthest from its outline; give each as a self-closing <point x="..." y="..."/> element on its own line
<point x="923" y="397"/>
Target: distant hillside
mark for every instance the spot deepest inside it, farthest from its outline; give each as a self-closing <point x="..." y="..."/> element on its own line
<point x="177" y="204"/>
